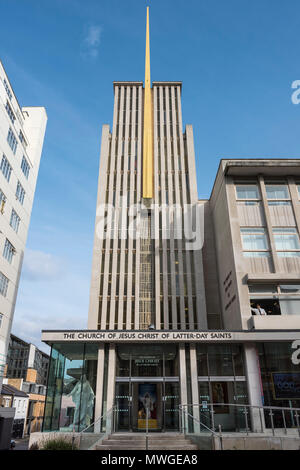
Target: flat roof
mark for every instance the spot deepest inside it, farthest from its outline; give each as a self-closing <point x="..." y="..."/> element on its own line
<point x="247" y="167"/>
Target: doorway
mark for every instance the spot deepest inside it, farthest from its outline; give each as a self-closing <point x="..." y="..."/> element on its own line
<point x="133" y="398"/>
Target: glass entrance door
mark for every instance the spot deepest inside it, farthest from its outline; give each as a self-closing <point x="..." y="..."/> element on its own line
<point x="171" y="401"/>
<point x="134" y="400"/>
<point x="123" y="407"/>
<point x="147" y="402"/>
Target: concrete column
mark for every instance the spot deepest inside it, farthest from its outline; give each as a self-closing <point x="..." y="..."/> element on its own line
<point x="194" y="383"/>
<point x="295" y="200"/>
<point x="99" y="388"/>
<point x="111" y="381"/>
<point x="254" y="387"/>
<point x="268" y="223"/>
<point x="183" y="381"/>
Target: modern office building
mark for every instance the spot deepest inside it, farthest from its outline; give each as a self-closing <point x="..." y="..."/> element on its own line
<point x="22" y="132"/>
<point x="26" y="361"/>
<point x="176" y="319"/>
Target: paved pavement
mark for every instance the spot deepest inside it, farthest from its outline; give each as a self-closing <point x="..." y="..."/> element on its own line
<point x="21" y="444"/>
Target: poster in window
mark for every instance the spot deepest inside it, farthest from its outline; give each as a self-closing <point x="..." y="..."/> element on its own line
<point x="147" y="405"/>
<point x="286" y="385"/>
<point x="220" y="395"/>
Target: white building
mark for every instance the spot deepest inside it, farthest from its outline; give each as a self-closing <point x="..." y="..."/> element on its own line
<point x="19" y="400"/>
<point x="22" y="131"/>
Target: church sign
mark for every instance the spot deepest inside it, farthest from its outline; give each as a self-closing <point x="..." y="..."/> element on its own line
<point x="141" y="336"/>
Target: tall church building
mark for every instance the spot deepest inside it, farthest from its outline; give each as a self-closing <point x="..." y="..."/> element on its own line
<point x="182" y="331"/>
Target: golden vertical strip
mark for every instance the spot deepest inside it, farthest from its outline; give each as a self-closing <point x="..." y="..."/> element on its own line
<point x="148" y="124"/>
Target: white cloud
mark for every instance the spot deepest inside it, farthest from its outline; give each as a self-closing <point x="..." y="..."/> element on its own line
<point x="39" y="266"/>
<point x="91" y="42"/>
<point x="61" y="304"/>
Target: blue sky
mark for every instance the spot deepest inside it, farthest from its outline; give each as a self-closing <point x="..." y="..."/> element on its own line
<point x="237" y="60"/>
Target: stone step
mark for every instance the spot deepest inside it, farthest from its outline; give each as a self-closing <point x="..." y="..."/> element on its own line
<point x="136" y="437"/>
<point x="112" y="443"/>
<point x="128" y="441"/>
<point x="150" y="439"/>
<point x="154" y="447"/>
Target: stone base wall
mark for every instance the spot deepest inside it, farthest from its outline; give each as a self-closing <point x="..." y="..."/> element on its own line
<point x="258" y="443"/>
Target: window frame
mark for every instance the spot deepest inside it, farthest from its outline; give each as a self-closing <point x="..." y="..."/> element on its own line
<point x="4" y="281"/>
<point x="285" y="185"/>
<point x="5" y="167"/>
<point x="247" y="198"/>
<point x="255" y="230"/>
<point x="288" y="231"/>
<point x="8" y="251"/>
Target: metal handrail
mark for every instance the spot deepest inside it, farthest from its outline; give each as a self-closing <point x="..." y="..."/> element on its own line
<point x="249" y="406"/>
<point x="181" y="407"/>
<point x="147" y="425"/>
<point x="271" y="409"/>
<point x="93" y="424"/>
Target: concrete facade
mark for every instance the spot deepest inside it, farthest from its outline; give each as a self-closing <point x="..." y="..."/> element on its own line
<point x="182" y="332"/>
<point x="204" y="291"/>
<point x="280" y="265"/>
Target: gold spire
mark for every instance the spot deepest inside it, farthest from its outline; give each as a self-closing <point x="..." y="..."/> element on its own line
<point x="148" y="124"/>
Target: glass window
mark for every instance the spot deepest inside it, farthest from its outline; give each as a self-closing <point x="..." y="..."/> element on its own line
<point x="147" y="362"/>
<point x="254" y="239"/>
<point x="25" y="167"/>
<point x="279" y="203"/>
<point x="277" y="191"/>
<point x="2" y="201"/>
<point x="202" y="361"/>
<point x="71" y="387"/>
<point x="290" y="306"/>
<point x="5" y="168"/>
<point x="8" y="251"/>
<point x="286" y="239"/>
<point x="220" y="360"/>
<point x="9" y="93"/>
<point x="1" y="317"/>
<point x="256" y="254"/>
<point x="298" y="187"/>
<point x="14" y="220"/>
<point x="123" y="362"/>
<point x="249" y="191"/>
<point x="20" y="192"/>
<point x="143" y="361"/>
<point x="290" y="288"/>
<point x="262" y="288"/>
<point x="22" y="138"/>
<point x="10" y="112"/>
<point x="288" y="254"/>
<point x="12" y="140"/>
<point x="3" y="284"/>
<point x="280" y="380"/>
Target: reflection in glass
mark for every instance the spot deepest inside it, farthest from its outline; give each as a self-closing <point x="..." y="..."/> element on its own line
<point x="147" y="361"/>
<point x="71" y="387"/>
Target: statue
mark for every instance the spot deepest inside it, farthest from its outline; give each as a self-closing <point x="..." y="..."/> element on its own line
<point x="83" y="398"/>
